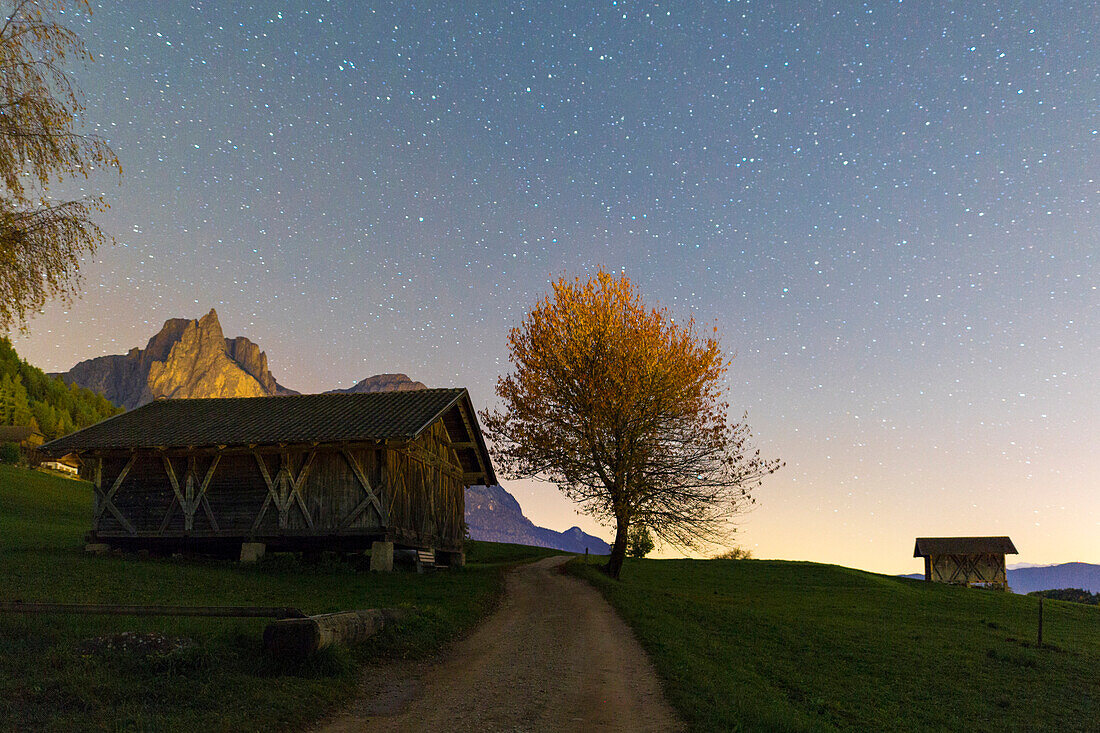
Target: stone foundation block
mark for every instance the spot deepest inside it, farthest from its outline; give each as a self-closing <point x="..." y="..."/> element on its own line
<point x="252" y="551"/>
<point x="381" y="557"/>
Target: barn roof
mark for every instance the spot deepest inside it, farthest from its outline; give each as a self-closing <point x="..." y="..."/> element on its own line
<point x="315" y="418"/>
<point x="16" y="433"/>
<point x="963" y="546"/>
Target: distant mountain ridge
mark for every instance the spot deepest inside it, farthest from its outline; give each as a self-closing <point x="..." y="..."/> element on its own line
<point x="494" y="515"/>
<point x="1049" y="577"/>
<point x="381" y="383"/>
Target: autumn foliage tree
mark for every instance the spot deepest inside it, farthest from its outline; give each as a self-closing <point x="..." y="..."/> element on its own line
<point x="42" y="239"/>
<point x="622" y="407"/>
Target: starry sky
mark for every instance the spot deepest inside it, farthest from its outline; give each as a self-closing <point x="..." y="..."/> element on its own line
<point x="889" y="209"/>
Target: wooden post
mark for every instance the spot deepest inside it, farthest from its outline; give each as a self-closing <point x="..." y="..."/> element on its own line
<point x="1040" y="622"/>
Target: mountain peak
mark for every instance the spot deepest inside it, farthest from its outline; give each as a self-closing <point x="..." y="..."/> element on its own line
<point x="382" y="383"/>
<point x="186" y="358"/>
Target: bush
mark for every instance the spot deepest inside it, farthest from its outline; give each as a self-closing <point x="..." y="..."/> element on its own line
<point x="9" y="453"/>
<point x="639" y="542"/>
<point x="735" y="553"/>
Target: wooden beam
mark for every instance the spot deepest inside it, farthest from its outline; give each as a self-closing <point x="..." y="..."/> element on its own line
<point x="296" y="485"/>
<point x="271" y="495"/>
<point x="202" y="493"/>
<point x="473" y="436"/>
<point x="418" y="453"/>
<point x="106" y="499"/>
<point x="371" y="499"/>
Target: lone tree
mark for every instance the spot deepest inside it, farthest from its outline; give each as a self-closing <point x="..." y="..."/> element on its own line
<point x="621" y="406"/>
<point x="41" y="238"/>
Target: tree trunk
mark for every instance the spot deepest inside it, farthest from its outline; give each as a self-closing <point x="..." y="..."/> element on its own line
<point x="618" y="550"/>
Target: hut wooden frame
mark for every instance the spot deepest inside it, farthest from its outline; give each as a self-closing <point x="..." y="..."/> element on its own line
<point x="298" y="496"/>
<point x="965" y="560"/>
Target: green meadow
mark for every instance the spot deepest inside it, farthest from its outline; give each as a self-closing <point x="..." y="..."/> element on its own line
<point x="792" y="646"/>
<point x="57" y="672"/>
<point x="740" y="645"/>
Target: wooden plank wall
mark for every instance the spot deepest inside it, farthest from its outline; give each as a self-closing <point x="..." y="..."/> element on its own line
<point x="416" y="489"/>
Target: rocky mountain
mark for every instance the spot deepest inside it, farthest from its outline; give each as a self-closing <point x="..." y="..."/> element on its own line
<point x="382" y="383"/>
<point x="494" y="515"/>
<point x="187" y="358"/>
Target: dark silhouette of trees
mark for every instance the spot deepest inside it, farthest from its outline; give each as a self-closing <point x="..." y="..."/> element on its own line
<point x="28" y="396"/>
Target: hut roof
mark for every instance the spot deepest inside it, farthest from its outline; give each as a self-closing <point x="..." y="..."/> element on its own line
<point x="245" y="421"/>
<point x="16" y="433"/>
<point x="927" y="546"/>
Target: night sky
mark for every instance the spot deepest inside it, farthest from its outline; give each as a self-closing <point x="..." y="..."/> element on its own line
<point x="889" y="209"/>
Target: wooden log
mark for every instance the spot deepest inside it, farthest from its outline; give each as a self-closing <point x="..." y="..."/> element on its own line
<point x="300" y="637"/>
<point x="87" y="609"/>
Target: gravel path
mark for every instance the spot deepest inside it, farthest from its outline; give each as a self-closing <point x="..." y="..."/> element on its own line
<point x="553" y="657"/>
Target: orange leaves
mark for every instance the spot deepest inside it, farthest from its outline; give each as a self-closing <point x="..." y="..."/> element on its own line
<point x="597" y="342"/>
<point x="621" y="406"/>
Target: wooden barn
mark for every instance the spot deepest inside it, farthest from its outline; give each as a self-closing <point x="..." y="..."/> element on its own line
<point x="309" y="472"/>
<point x="965" y="560"/>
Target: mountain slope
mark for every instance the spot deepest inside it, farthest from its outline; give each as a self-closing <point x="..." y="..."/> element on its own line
<point x="494" y="515"/>
<point x="1067" y="575"/>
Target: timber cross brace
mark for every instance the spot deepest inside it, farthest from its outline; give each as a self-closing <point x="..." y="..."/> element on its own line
<point x="285" y="490"/>
<point x="187" y="498"/>
<point x="105" y="500"/>
<point x="371" y="499"/>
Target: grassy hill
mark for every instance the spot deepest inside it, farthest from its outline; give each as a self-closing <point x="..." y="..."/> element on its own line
<point x="771" y="645"/>
<point x="57" y="673"/>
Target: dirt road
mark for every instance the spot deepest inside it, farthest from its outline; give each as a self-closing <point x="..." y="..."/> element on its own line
<point x="553" y="657"/>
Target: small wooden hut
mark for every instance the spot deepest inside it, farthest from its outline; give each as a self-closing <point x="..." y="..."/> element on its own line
<point x="24" y="436"/>
<point x="306" y="472"/>
<point x="965" y="560"/>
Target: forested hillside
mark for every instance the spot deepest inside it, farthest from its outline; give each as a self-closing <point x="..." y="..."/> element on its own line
<point x="29" y="396"/>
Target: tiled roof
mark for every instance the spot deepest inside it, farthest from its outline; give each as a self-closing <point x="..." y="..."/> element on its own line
<point x="16" y="433"/>
<point x="315" y="418"/>
<point x="963" y="546"/>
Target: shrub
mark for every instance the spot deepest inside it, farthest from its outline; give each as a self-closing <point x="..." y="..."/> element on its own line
<point x="734" y="553"/>
<point x="639" y="542"/>
<point x="9" y="453"/>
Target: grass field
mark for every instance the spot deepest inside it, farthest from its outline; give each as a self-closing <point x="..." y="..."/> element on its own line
<point x="771" y="645"/>
<point x="53" y="676"/>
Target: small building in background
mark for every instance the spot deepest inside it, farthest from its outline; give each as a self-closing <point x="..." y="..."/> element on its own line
<point x="26" y="437"/>
<point x="68" y="463"/>
<point x="965" y="560"/>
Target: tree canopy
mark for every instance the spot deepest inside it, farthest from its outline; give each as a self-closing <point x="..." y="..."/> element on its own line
<point x="28" y="396"/>
<point x="42" y="239"/>
<point x="622" y="407"/>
